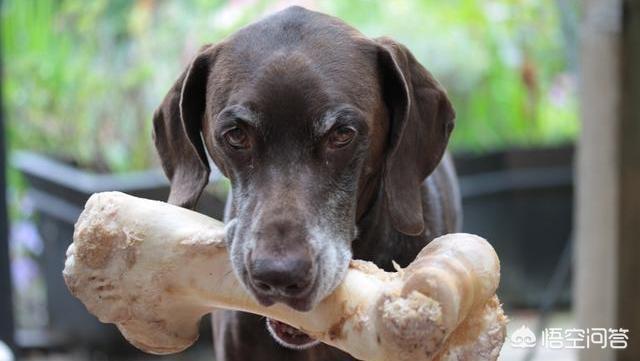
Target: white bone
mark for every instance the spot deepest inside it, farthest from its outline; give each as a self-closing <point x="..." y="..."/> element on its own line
<point x="154" y="270"/>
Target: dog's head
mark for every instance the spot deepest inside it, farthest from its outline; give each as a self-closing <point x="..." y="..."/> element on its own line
<point x="308" y="119"/>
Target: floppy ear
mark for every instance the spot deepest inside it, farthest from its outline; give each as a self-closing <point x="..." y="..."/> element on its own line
<point x="421" y="120"/>
<point x="176" y="131"/>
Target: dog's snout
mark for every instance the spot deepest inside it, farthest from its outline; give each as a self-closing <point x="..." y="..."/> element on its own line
<point x="281" y="265"/>
<point x="288" y="276"/>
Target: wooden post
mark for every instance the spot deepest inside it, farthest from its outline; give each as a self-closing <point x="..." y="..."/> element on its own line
<point x="628" y="305"/>
<point x="607" y="257"/>
<point x="597" y="173"/>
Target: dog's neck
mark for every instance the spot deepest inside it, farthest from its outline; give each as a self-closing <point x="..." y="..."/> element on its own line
<point x="377" y="240"/>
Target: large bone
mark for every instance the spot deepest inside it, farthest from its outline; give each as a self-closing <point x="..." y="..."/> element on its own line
<point x="154" y="270"/>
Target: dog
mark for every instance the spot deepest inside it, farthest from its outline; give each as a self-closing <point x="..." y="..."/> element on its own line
<point x="335" y="147"/>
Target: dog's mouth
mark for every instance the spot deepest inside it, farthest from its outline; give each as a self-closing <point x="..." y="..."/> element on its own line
<point x="289" y="336"/>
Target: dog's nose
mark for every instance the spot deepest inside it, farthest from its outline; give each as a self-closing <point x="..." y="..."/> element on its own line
<point x="286" y="276"/>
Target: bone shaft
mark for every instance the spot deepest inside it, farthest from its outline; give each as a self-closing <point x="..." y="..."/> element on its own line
<point x="204" y="278"/>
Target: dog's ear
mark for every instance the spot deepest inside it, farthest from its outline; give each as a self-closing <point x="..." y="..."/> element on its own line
<point x="177" y="124"/>
<point x="421" y="120"/>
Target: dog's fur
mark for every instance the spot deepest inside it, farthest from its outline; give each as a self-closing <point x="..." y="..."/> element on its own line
<point x="288" y="82"/>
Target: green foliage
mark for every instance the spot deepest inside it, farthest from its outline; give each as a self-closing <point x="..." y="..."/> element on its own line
<point x="506" y="64"/>
<point x="82" y="77"/>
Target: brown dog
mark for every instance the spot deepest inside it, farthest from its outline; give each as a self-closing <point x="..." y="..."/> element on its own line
<point x="333" y="144"/>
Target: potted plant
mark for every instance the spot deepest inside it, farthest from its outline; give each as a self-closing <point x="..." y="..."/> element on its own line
<point x="522" y="200"/>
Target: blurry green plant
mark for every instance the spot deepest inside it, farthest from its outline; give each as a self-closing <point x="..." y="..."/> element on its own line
<point x="509" y="66"/>
<point x="82" y="77"/>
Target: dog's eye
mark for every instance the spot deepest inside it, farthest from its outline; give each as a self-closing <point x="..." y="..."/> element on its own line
<point x="341" y="136"/>
<point x="237" y="138"/>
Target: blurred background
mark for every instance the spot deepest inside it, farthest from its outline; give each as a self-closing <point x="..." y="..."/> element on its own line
<point x="80" y="80"/>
